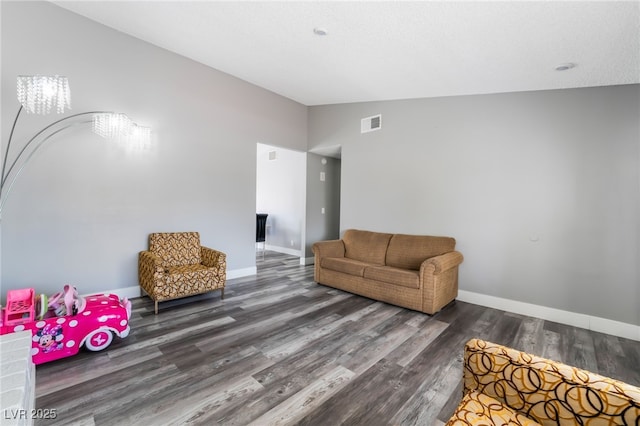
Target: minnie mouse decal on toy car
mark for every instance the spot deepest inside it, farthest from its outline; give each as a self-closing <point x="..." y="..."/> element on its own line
<point x="49" y="338"/>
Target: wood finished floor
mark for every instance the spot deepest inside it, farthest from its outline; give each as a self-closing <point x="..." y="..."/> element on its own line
<point x="281" y="349"/>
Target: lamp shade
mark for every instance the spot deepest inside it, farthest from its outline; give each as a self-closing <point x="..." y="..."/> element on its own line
<point x="139" y="138"/>
<point x="118" y="127"/>
<point x="38" y="94"/>
<point x="111" y="125"/>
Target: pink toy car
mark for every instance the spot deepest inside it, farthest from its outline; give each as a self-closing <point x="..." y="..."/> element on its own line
<point x="101" y="316"/>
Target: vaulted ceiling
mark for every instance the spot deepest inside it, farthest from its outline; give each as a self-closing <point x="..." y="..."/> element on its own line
<point x="391" y="50"/>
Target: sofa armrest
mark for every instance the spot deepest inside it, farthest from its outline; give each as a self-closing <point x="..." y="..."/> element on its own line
<point x="439" y="280"/>
<point x="329" y="248"/>
<point x="442" y="263"/>
<point x="546" y="390"/>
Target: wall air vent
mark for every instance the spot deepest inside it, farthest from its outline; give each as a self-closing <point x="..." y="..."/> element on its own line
<point x="272" y="155"/>
<point x="371" y="124"/>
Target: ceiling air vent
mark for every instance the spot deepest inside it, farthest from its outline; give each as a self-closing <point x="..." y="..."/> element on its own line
<point x="371" y="124"/>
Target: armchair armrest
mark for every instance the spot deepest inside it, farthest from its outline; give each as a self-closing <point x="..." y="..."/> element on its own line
<point x="150" y="271"/>
<point x="329" y="248"/>
<point x="546" y="390"/>
<point x="442" y="263"/>
<point x="152" y="261"/>
<point x="211" y="257"/>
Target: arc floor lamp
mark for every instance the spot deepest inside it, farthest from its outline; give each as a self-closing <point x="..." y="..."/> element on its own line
<point x="40" y="94"/>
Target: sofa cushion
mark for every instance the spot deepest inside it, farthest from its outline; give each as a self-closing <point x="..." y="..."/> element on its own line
<point x="344" y="265"/>
<point x="366" y="246"/>
<point x="391" y="275"/>
<point x="409" y="251"/>
<point x="176" y="248"/>
<point x="479" y="409"/>
<point x="185" y="280"/>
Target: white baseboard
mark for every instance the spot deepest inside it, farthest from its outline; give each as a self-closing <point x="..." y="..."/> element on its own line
<point x="284" y="250"/>
<point x="601" y="325"/>
<point x="128" y="292"/>
<point x="305" y="261"/>
<point x="239" y="273"/>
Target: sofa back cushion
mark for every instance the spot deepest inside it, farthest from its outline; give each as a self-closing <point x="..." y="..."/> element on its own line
<point x="176" y="248"/>
<point x="366" y="246"/>
<point x="409" y="251"/>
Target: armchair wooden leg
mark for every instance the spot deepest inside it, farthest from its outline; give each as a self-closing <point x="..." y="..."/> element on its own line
<point x="222" y="293"/>
<point x="156" y="307"/>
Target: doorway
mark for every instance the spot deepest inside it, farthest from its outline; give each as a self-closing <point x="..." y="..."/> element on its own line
<point x="300" y="193"/>
<point x="281" y="194"/>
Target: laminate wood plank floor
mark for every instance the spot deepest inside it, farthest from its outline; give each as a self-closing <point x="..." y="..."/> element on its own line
<point x="283" y="350"/>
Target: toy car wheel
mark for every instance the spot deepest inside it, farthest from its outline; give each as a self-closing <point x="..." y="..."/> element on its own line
<point x="98" y="340"/>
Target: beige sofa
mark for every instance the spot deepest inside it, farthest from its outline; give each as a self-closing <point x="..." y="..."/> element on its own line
<point x="412" y="271"/>
<point x="503" y="386"/>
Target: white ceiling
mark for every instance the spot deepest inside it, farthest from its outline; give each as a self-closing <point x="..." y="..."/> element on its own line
<point x="391" y="50"/>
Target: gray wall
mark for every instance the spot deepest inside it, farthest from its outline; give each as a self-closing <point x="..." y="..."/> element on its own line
<point x="83" y="208"/>
<point x="322" y="194"/>
<point x="280" y="190"/>
<point x="540" y="189"/>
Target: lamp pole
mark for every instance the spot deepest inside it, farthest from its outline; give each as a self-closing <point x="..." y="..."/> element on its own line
<point x="5" y="182"/>
<point x="38" y="94"/>
<point x="6" y="153"/>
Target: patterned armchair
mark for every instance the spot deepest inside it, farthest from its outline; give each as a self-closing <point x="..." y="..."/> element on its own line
<point x="176" y="266"/>
<point x="504" y="386"/>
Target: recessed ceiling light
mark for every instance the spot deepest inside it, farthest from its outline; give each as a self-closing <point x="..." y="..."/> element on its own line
<point x="320" y="31"/>
<point x="564" y="67"/>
